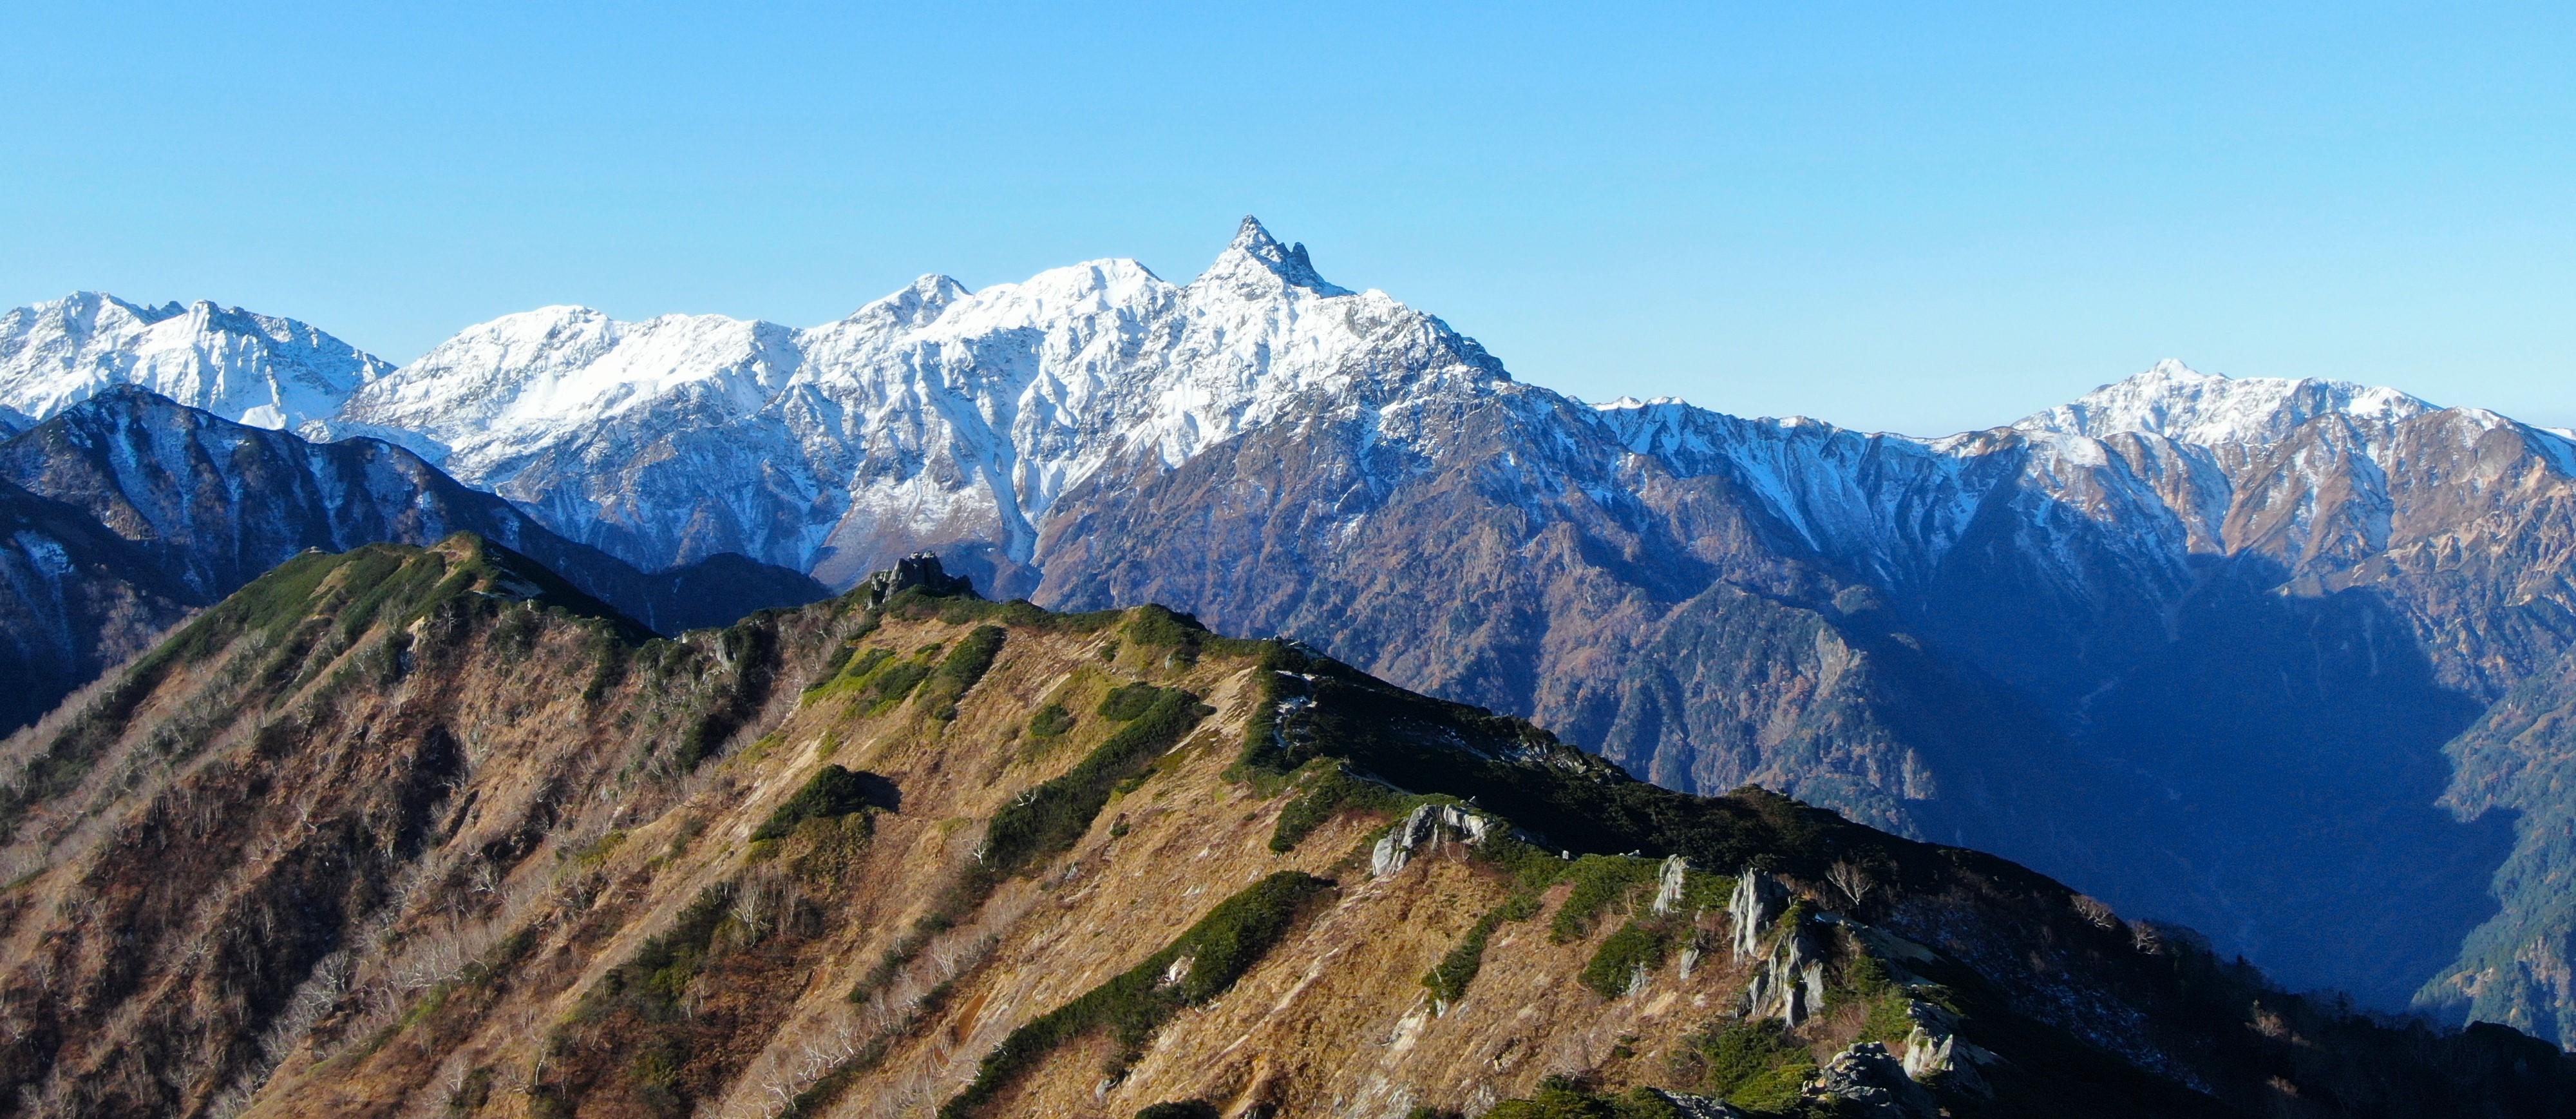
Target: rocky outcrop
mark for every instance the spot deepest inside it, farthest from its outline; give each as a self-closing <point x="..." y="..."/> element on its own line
<point x="1670" y="880"/>
<point x="1423" y="830"/>
<point x="1933" y="1049"/>
<point x="1757" y="903"/>
<point x="1701" y="1107"/>
<point x="1788" y="976"/>
<point x="1873" y="1084"/>
<point x="920" y="569"/>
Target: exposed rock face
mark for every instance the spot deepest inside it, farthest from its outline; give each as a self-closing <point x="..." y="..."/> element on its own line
<point x="1933" y="1049"/>
<point x="1874" y="1084"/>
<point x="1422" y="831"/>
<point x="920" y="569"/>
<point x="1669" y="884"/>
<point x="1788" y="974"/>
<point x="1756" y="905"/>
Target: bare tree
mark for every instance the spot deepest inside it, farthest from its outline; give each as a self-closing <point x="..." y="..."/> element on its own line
<point x="1854" y="882"/>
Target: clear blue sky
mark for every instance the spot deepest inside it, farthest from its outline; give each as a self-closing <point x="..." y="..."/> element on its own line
<point x="1898" y="217"/>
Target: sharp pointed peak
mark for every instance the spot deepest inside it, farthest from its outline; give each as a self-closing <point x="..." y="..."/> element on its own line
<point x="1254" y="248"/>
<point x="1252" y="236"/>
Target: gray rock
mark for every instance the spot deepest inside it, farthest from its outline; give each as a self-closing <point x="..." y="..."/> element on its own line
<point x="1867" y="1075"/>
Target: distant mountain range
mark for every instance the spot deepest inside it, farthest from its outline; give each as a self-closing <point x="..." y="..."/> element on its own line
<point x="2285" y="661"/>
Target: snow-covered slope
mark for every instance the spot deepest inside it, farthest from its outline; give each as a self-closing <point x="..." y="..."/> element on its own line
<point x="2187" y="406"/>
<point x="933" y="416"/>
<point x="254" y="369"/>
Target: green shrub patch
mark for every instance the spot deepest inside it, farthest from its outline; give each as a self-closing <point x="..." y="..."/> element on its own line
<point x="1052" y="816"/>
<point x="1637" y="944"/>
<point x="1599" y="882"/>
<point x="965" y="665"/>
<point x="1329" y="793"/>
<point x="1050" y="721"/>
<point x="833" y="791"/>
<point x="1207" y="960"/>
<point x="1122" y="704"/>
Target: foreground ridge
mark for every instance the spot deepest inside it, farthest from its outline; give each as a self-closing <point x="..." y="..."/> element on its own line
<point x="430" y="830"/>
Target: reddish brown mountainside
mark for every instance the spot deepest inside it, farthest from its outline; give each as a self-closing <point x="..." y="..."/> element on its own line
<point x="426" y="832"/>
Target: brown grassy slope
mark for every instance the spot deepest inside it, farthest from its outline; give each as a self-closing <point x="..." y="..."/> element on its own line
<point x="364" y="872"/>
<point x="421" y="832"/>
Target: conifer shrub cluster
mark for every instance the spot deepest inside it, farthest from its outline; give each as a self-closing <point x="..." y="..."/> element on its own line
<point x="1207" y="959"/>
<point x="1051" y="817"/>
<point x="963" y="668"/>
<point x="1638" y="945"/>
<point x="1128" y="701"/>
<point x="1561" y="1097"/>
<point x="1752" y="1063"/>
<point x="1600" y="881"/>
<point x="832" y="792"/>
<point x="1050" y="721"/>
<point x="1331" y="791"/>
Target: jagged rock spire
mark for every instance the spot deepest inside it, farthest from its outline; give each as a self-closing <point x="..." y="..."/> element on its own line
<point x="1254" y="254"/>
<point x="920" y="569"/>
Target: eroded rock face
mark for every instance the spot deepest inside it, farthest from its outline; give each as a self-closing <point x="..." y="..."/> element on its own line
<point x="1871" y="1081"/>
<point x="1934" y="1049"/>
<point x="1758" y="901"/>
<point x="1669" y="883"/>
<point x="920" y="569"/>
<point x="1788" y="979"/>
<point x="1424" y="829"/>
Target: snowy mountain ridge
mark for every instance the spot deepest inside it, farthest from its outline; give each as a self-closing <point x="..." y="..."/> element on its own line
<point x="943" y="417"/>
<point x="255" y="369"/>
<point x="929" y="416"/>
<point x="2187" y="406"/>
<point x="939" y="416"/>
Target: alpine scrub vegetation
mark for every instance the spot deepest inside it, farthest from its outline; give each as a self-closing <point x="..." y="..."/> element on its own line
<point x="504" y="855"/>
<point x="1202" y="964"/>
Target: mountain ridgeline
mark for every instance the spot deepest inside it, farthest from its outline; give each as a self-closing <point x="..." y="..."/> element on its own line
<point x="2277" y="660"/>
<point x="429" y="830"/>
<point x="130" y="508"/>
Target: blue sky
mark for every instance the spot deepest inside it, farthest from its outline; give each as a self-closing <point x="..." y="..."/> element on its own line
<point x="1915" y="218"/>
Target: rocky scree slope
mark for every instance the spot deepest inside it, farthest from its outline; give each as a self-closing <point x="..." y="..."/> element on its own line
<point x="402" y="830"/>
<point x="2196" y="643"/>
<point x="198" y="506"/>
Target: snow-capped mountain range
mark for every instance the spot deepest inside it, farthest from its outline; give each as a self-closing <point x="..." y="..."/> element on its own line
<point x="934" y="416"/>
<point x="254" y="369"/>
<point x="2040" y="638"/>
<point x="942" y="417"/>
